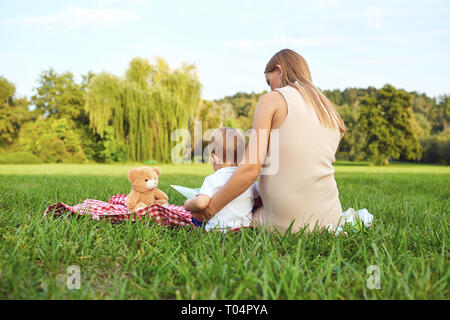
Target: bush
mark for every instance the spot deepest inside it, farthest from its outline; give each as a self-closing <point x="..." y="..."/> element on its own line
<point x="436" y="149"/>
<point x="20" y="157"/>
<point x="341" y="155"/>
<point x="52" y="140"/>
<point x="114" y="151"/>
<point x="444" y="149"/>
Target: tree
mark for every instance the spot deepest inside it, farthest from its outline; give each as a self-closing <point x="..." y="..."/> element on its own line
<point x="211" y="115"/>
<point x="59" y="96"/>
<point x="144" y="107"/>
<point x="421" y="126"/>
<point x="13" y="113"/>
<point x="441" y="114"/>
<point x="244" y="105"/>
<point x="421" y="103"/>
<point x="353" y="141"/>
<point x="386" y="119"/>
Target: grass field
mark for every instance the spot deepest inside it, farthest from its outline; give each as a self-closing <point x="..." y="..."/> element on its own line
<point x="408" y="241"/>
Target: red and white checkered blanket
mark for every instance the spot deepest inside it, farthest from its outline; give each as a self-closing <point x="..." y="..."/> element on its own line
<point x="115" y="210"/>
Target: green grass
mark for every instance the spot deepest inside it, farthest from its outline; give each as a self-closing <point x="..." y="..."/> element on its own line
<point x="408" y="241"/>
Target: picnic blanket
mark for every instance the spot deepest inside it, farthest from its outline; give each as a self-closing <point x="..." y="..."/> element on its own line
<point x="115" y="210"/>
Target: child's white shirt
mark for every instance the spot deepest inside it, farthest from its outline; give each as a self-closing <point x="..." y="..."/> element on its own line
<point x="238" y="213"/>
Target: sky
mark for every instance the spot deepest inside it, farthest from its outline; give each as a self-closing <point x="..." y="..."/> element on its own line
<point x="347" y="43"/>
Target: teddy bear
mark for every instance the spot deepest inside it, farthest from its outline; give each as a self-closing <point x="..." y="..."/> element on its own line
<point x="144" y="193"/>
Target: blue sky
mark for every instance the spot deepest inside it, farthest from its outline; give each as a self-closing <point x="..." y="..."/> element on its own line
<point x="347" y="43"/>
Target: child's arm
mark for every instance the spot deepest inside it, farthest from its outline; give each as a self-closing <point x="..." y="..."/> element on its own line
<point x="201" y="201"/>
<point x="198" y="203"/>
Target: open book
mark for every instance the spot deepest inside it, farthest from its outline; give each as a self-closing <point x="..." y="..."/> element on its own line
<point x="188" y="193"/>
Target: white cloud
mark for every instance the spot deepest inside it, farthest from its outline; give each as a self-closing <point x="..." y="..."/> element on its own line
<point x="74" y="17"/>
<point x="374" y="17"/>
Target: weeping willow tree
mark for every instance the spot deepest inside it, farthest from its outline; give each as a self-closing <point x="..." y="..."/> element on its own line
<point x="145" y="106"/>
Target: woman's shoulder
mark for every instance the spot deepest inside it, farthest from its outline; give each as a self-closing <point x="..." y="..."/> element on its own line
<point x="273" y="98"/>
<point x="281" y="94"/>
<point x="268" y="105"/>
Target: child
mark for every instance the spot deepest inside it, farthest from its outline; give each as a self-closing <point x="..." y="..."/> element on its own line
<point x="227" y="150"/>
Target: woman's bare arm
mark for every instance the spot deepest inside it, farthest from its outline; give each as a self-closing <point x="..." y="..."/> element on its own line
<point x="247" y="172"/>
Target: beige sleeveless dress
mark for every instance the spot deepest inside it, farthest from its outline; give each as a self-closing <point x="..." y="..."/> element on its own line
<point x="303" y="189"/>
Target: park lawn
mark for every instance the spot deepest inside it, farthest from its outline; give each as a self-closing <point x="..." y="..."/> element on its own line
<point x="408" y="241"/>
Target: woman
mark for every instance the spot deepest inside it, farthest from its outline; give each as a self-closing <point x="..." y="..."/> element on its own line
<point x="303" y="191"/>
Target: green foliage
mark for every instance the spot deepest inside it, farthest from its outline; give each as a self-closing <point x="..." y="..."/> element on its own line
<point x="436" y="111"/>
<point x="145" y="107"/>
<point x="104" y="104"/>
<point x="119" y="119"/>
<point x="351" y="146"/>
<point x="211" y="115"/>
<point x="430" y="118"/>
<point x="53" y="140"/>
<point x="7" y="90"/>
<point x="441" y="114"/>
<point x="436" y="149"/>
<point x="92" y="144"/>
<point x="13" y="113"/>
<point x="350" y="96"/>
<point x="444" y="149"/>
<point x="243" y="106"/>
<point x="386" y="119"/>
<point x="113" y="150"/>
<point x="59" y="96"/>
<point x="421" y="126"/>
<point x="20" y="157"/>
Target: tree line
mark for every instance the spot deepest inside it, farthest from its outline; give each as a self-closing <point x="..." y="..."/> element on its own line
<point x="106" y="118"/>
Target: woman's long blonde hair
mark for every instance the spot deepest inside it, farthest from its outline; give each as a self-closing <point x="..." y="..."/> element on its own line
<point x="295" y="73"/>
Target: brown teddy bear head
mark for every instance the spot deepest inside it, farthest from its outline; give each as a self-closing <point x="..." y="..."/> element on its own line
<point x="144" y="179"/>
